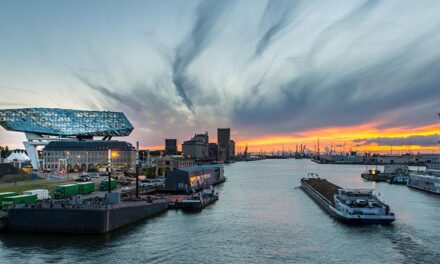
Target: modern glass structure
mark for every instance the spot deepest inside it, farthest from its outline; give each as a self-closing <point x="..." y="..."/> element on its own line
<point x="65" y="122"/>
<point x="43" y="125"/>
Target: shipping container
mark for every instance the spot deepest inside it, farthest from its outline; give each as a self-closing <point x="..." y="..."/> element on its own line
<point x="11" y="201"/>
<point x="4" y="195"/>
<point x="103" y="186"/>
<point x="66" y="190"/>
<point x="86" y="187"/>
<point x="42" y="194"/>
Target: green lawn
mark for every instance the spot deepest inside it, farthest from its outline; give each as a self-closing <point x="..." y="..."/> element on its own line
<point x="32" y="185"/>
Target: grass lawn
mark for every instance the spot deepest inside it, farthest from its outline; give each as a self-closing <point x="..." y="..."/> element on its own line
<point x="50" y="185"/>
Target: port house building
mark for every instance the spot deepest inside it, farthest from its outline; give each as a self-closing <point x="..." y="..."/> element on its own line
<point x="44" y="125"/>
<point x="194" y="178"/>
<point x="65" y="156"/>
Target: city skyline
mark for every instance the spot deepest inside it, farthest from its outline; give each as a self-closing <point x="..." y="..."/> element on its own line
<point x="276" y="72"/>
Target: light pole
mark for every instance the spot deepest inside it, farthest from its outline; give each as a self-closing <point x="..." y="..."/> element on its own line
<point x="67" y="165"/>
<point x="109" y="163"/>
<point x="137" y="169"/>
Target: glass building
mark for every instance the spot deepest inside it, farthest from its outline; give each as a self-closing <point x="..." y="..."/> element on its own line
<point x="66" y="122"/>
<point x="44" y="125"/>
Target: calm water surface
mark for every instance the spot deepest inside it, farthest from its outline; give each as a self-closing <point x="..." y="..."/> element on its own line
<point x="262" y="216"/>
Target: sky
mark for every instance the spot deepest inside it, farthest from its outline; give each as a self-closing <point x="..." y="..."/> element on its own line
<point x="360" y="75"/>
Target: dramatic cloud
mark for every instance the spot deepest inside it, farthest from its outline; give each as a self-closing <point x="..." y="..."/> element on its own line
<point x="203" y="30"/>
<point x="265" y="68"/>
<point x="276" y="17"/>
<point x="426" y="141"/>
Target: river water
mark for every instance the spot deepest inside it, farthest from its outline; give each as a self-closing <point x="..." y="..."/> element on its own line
<point x="262" y="216"/>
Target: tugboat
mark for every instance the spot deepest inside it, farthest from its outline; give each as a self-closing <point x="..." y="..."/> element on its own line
<point x="398" y="179"/>
<point x="397" y="173"/>
<point x="374" y="175"/>
<point x="353" y="206"/>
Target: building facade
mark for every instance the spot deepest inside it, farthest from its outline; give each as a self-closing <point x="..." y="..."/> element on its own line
<point x="44" y="125"/>
<point x="197" y="148"/>
<point x="170" y="146"/>
<point x="231" y="149"/>
<point x="194" y="178"/>
<point x="69" y="156"/>
<point x="224" y="138"/>
<point x="170" y="163"/>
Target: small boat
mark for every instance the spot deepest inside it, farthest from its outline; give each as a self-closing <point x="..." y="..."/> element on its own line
<point x="211" y="193"/>
<point x="374" y="175"/>
<point x="398" y="179"/>
<point x="353" y="206"/>
<point x="194" y="202"/>
<point x="198" y="201"/>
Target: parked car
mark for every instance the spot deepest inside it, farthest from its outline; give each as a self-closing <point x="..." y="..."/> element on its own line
<point x="125" y="188"/>
<point x="84" y="178"/>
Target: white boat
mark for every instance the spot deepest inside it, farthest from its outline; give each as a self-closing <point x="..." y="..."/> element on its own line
<point x="428" y="181"/>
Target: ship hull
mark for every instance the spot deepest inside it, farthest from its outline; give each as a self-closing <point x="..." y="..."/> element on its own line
<point x="428" y="184"/>
<point x="89" y="221"/>
<point x="329" y="208"/>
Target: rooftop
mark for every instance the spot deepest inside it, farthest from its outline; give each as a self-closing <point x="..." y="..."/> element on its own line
<point x="65" y="122"/>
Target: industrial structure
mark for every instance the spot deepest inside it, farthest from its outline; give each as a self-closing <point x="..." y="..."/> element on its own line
<point x="170" y="146"/>
<point x="194" y="178"/>
<point x="197" y="148"/>
<point x="170" y="163"/>
<point x="44" y="125"/>
<point x="226" y="146"/>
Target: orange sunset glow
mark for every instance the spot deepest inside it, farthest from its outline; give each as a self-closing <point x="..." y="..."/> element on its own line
<point x="338" y="136"/>
<point x="340" y="139"/>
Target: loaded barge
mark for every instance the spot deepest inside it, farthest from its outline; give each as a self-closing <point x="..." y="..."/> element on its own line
<point x="353" y="206"/>
<point x="93" y="216"/>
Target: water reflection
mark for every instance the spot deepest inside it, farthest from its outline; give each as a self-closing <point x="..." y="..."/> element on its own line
<point x="262" y="216"/>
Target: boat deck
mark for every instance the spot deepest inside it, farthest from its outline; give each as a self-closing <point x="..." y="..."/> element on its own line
<point x="325" y="188"/>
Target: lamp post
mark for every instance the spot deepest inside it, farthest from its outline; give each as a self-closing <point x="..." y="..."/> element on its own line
<point x="67" y="165"/>
<point x="109" y="163"/>
<point x="137" y="169"/>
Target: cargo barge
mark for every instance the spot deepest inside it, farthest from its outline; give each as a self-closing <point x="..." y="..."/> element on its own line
<point x="352" y="206"/>
<point x="87" y="218"/>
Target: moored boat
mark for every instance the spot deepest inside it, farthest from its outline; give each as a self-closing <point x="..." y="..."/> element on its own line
<point x="353" y="206"/>
<point x="398" y="179"/>
<point x="428" y="181"/>
<point x="374" y="175"/>
<point x="199" y="200"/>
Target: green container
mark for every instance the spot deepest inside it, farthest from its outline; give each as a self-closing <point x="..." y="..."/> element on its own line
<point x="86" y="187"/>
<point x="10" y="201"/>
<point x="66" y="190"/>
<point x="103" y="185"/>
<point x="4" y="195"/>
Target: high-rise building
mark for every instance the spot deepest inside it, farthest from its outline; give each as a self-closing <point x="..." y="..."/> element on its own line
<point x="170" y="146"/>
<point x="223" y="139"/>
<point x="213" y="151"/>
<point x="231" y="149"/>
